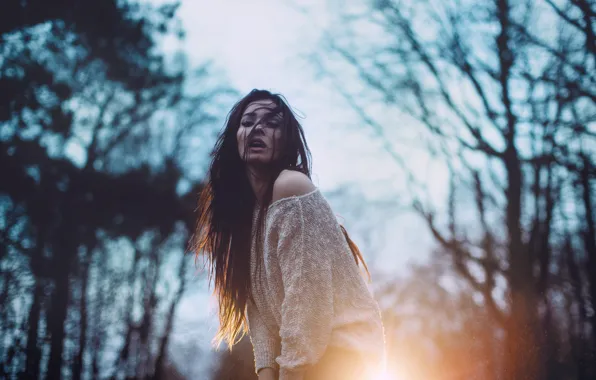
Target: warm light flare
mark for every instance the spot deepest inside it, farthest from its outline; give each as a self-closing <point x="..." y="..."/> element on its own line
<point x="388" y="375"/>
<point x="402" y="369"/>
<point x="384" y="375"/>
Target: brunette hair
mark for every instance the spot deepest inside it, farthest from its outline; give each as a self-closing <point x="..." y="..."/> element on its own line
<point x="225" y="212"/>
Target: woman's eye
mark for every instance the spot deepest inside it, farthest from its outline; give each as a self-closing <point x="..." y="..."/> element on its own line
<point x="246" y="123"/>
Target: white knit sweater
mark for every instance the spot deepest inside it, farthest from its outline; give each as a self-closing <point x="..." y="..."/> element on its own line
<point x="310" y="295"/>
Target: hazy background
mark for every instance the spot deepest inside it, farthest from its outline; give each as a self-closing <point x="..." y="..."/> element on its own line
<point x="454" y="139"/>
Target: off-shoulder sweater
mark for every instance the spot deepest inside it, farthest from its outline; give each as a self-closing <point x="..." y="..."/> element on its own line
<point x="310" y="294"/>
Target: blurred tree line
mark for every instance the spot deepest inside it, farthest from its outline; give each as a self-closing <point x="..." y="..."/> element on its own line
<point x="100" y="145"/>
<point x="503" y="92"/>
<point x="100" y="159"/>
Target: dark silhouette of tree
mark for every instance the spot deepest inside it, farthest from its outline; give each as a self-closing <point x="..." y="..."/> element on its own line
<point x="98" y="197"/>
<point x="505" y="94"/>
<point x="237" y="364"/>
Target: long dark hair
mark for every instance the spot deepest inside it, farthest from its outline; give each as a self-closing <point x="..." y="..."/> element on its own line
<point x="225" y="212"/>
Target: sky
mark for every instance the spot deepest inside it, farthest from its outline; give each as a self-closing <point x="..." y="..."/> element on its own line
<point x="264" y="44"/>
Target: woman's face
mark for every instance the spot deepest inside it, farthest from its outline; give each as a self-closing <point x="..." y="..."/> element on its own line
<point x="260" y="133"/>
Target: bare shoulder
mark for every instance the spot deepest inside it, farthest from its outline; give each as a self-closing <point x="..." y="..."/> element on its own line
<point x="291" y="183"/>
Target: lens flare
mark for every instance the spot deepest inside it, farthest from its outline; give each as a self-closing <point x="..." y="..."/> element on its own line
<point x="385" y="375"/>
<point x="389" y="374"/>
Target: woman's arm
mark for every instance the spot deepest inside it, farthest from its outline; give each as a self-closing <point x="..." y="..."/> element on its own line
<point x="266" y="347"/>
<point x="267" y="374"/>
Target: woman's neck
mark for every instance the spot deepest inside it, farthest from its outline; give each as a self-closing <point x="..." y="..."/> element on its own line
<point x="258" y="179"/>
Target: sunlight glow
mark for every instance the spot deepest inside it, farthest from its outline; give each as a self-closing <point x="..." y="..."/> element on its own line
<point x="392" y="373"/>
<point x="386" y="375"/>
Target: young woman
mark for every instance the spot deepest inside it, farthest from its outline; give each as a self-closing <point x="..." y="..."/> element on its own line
<point x="284" y="269"/>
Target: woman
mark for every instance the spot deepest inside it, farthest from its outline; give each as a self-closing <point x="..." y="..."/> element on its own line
<point x="283" y="268"/>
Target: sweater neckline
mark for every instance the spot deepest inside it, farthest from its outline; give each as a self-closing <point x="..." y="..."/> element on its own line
<point x="283" y="200"/>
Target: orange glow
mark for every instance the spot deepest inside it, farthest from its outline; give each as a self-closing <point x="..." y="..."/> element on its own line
<point x="389" y="375"/>
<point x="384" y="375"/>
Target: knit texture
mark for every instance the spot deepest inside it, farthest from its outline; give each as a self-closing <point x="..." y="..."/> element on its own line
<point x="309" y="294"/>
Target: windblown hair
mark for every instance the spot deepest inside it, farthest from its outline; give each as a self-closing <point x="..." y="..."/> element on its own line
<point x="225" y="212"/>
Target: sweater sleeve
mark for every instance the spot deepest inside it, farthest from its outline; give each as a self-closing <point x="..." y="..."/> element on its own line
<point x="308" y="239"/>
<point x="265" y="345"/>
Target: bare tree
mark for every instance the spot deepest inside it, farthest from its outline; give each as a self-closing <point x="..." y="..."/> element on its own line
<point x="505" y="92"/>
<point x="98" y="131"/>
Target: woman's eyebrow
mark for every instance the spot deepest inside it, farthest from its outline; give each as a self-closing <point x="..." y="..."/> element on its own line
<point x="269" y="116"/>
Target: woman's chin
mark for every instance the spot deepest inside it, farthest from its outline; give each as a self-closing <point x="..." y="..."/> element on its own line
<point x="258" y="161"/>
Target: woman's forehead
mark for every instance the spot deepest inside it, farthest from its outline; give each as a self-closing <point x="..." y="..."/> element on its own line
<point x="259" y="107"/>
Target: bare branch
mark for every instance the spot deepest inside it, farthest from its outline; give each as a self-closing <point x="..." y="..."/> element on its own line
<point x="461" y="256"/>
<point x="425" y="57"/>
<point x="563" y="15"/>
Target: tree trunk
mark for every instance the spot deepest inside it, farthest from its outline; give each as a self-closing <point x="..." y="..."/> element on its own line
<point x="33" y="352"/>
<point x="97" y="336"/>
<point x="77" y="367"/>
<point x="577" y="322"/>
<point x="590" y="247"/>
<point x="63" y="254"/>
<point x="146" y="325"/>
<point x="122" y="358"/>
<point x="520" y="350"/>
<point x="163" y="346"/>
<point x="521" y="361"/>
